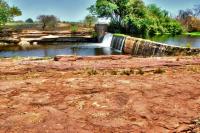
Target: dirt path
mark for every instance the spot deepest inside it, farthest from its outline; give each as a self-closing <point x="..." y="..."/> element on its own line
<point x="100" y="94"/>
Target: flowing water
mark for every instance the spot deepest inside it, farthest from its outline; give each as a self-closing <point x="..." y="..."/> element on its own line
<point x="117" y="43"/>
<point x="110" y="45"/>
<point x="43" y="50"/>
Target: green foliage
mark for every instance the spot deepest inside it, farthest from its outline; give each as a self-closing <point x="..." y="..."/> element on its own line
<point x="90" y="20"/>
<point x="120" y="35"/>
<point x="74" y="28"/>
<point x="15" y="11"/>
<point x="197" y="34"/>
<point x="94" y="34"/>
<point x="4" y="16"/>
<point x="133" y="17"/>
<point x="4" y="12"/>
<point x="7" y="13"/>
<point x="29" y="20"/>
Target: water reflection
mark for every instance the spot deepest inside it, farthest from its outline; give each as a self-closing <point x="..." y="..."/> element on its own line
<point x="57" y="49"/>
<point x="179" y="40"/>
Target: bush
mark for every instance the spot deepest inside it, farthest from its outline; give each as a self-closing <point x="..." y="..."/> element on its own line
<point x="140" y="71"/>
<point x="92" y="72"/>
<point x="159" y="71"/>
<point x="74" y="28"/>
<point x="114" y="27"/>
<point x="135" y="18"/>
<point x="94" y="34"/>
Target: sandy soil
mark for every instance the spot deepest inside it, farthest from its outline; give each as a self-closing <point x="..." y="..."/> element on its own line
<point x="110" y="94"/>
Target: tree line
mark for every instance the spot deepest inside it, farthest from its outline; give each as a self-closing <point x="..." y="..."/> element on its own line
<point x="126" y="16"/>
<point x="135" y="18"/>
<point x="7" y="13"/>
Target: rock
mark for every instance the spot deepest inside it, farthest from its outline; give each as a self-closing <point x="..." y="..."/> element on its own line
<point x="182" y="128"/>
<point x="24" y="43"/>
<point x="65" y="58"/>
<point x="9" y="40"/>
<point x="59" y="127"/>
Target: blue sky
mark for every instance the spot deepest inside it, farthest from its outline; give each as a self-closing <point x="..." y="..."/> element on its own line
<point x="75" y="10"/>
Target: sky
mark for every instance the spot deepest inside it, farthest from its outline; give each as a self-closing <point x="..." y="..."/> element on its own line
<point x="75" y="10"/>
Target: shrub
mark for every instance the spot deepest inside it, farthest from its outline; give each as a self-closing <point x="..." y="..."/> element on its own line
<point x="140" y="71"/>
<point x="74" y="28"/>
<point x="92" y="72"/>
<point x="135" y="18"/>
<point x="94" y="34"/>
<point x="159" y="71"/>
<point x="127" y="72"/>
<point x="113" y="72"/>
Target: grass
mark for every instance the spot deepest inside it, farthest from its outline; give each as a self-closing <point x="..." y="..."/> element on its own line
<point x="91" y="71"/>
<point x="113" y="72"/>
<point x="197" y="34"/>
<point x="140" y="71"/>
<point x="74" y="28"/>
<point x="127" y="72"/>
<point x="120" y="35"/>
<point x="19" y="23"/>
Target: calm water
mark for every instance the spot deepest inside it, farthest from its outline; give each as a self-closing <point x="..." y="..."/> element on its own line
<point x="180" y="40"/>
<point x="88" y="49"/>
<point x="82" y="49"/>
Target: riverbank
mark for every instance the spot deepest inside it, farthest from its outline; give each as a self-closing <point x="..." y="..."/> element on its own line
<point x="195" y="34"/>
<point x="100" y="94"/>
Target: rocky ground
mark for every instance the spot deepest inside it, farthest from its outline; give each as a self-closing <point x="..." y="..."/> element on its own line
<point x="100" y="94"/>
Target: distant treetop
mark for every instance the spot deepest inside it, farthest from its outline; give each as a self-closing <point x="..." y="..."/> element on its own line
<point x="29" y="20"/>
<point x="7" y="13"/>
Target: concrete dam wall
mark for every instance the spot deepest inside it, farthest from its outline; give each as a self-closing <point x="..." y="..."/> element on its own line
<point x="142" y="47"/>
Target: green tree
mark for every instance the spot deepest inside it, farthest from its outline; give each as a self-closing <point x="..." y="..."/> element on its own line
<point x="117" y="10"/>
<point x="133" y="17"/>
<point x="90" y="20"/>
<point x="15" y="11"/>
<point x="4" y="12"/>
<point x="29" y="20"/>
<point x="7" y="13"/>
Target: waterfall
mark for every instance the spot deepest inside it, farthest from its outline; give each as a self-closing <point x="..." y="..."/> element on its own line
<point x="145" y="48"/>
<point x="115" y="42"/>
<point x="107" y="40"/>
<point x="118" y="43"/>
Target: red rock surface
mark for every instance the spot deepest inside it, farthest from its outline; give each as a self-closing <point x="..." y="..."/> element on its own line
<point x="100" y="94"/>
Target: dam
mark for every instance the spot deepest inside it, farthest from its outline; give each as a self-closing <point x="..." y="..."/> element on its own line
<point x="110" y="44"/>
